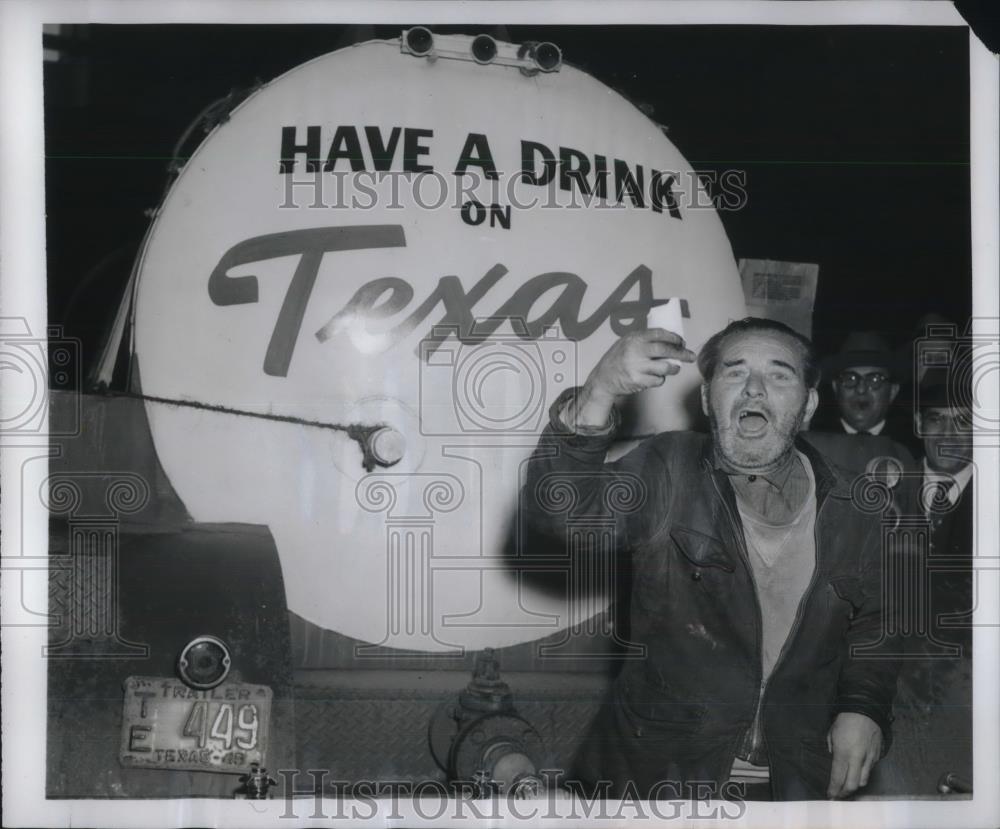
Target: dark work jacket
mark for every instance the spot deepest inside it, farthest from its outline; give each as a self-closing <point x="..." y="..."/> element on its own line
<point x="678" y="713"/>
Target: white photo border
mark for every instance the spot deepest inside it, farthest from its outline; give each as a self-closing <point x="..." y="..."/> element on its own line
<point x="23" y="293"/>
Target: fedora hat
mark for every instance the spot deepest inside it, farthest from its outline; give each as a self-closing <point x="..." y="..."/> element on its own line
<point x="946" y="387"/>
<point x="865" y="348"/>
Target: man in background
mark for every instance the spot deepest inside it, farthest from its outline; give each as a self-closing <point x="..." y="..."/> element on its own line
<point x="933" y="727"/>
<point x="944" y="421"/>
<point x="865" y="377"/>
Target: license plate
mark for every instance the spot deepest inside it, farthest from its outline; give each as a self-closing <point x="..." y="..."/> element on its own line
<point x="167" y="725"/>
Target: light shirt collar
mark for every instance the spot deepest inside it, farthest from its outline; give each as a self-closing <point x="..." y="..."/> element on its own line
<point x="875" y="430"/>
<point x="776" y="478"/>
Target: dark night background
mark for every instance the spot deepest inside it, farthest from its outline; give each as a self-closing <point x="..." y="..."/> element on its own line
<point x="855" y="141"/>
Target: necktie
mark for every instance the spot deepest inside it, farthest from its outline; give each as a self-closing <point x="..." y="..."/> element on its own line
<point x="936" y="501"/>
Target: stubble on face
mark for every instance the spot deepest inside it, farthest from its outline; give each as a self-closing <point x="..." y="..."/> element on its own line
<point x="761" y="455"/>
<point x="757" y="401"/>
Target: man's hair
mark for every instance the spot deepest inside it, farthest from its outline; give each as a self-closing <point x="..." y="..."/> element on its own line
<point x="708" y="357"/>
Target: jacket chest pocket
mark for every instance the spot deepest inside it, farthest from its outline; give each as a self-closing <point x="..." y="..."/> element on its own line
<point x="677" y="565"/>
<point x="849" y="590"/>
<point x="660" y="706"/>
<point x="702" y="558"/>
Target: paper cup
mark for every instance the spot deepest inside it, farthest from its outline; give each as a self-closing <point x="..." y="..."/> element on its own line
<point x="654" y="406"/>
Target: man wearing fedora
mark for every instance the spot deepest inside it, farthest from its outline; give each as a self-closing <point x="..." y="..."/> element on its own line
<point x="935" y="731"/>
<point x="945" y="426"/>
<point x="865" y="376"/>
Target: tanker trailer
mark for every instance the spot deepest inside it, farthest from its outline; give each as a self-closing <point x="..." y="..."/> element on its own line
<point x="351" y="313"/>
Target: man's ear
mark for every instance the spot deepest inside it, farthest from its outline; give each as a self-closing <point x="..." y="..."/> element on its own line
<point x="893" y="391"/>
<point x="917" y="429"/>
<point x="812" y="401"/>
<point x="704" y="399"/>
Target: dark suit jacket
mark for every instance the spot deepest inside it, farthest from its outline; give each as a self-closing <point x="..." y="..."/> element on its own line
<point x="953" y="534"/>
<point x="898" y="425"/>
<point x="854" y="453"/>
<point x="934" y="730"/>
<point x="952" y="589"/>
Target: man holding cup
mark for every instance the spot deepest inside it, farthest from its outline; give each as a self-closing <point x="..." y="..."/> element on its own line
<point x="754" y="576"/>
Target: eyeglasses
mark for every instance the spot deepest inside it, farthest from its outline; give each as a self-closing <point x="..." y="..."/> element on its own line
<point x="874" y="381"/>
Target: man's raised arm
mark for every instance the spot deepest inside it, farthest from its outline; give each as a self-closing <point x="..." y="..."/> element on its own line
<point x="636" y="362"/>
<point x="567" y="478"/>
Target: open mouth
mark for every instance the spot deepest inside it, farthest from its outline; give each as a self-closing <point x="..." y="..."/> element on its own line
<point x="751" y="422"/>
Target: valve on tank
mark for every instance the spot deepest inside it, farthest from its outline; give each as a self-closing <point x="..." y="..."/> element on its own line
<point x="256" y="784"/>
<point x="482" y="742"/>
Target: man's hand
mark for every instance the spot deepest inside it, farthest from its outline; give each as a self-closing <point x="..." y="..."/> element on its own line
<point x="636" y="362"/>
<point x="856" y="744"/>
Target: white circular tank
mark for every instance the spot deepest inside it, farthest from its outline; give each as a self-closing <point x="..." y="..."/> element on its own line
<point x="303" y="305"/>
